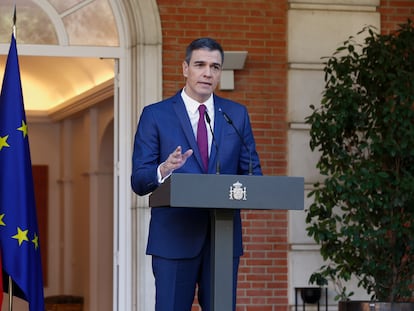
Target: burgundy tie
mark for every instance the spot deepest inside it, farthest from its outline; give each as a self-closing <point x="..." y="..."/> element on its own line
<point x="202" y="141"/>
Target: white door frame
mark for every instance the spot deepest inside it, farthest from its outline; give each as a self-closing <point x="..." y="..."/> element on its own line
<point x="139" y="83"/>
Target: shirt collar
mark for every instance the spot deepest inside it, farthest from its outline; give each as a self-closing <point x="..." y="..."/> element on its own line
<point x="192" y="105"/>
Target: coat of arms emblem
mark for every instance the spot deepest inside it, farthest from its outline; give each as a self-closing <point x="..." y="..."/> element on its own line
<point x="237" y="192"/>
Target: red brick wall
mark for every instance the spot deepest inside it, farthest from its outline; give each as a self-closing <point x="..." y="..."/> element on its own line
<point x="395" y="12"/>
<point x="258" y="27"/>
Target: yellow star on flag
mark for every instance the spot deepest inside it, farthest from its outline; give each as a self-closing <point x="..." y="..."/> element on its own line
<point x="1" y="220"/>
<point x="3" y="142"/>
<point x="21" y="235"/>
<point x="23" y="128"/>
<point x="36" y="241"/>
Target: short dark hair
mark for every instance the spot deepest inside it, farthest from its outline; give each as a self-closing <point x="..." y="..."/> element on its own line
<point x="203" y="43"/>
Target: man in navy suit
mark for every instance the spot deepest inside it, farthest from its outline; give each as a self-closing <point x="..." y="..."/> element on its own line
<point x="166" y="142"/>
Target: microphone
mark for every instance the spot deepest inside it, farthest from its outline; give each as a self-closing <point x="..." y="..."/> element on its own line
<point x="214" y="142"/>
<point x="230" y="121"/>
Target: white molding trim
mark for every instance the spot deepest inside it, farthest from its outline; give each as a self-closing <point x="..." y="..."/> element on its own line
<point x="333" y="7"/>
<point x="68" y="51"/>
<point x="79" y="103"/>
<point x="82" y="101"/>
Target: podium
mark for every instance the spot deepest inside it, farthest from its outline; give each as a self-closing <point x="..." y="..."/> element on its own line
<point x="222" y="194"/>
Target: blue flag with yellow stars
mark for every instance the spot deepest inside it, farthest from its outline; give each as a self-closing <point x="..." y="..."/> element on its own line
<point x="19" y="235"/>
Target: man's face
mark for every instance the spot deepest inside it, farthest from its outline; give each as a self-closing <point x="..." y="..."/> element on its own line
<point x="202" y="74"/>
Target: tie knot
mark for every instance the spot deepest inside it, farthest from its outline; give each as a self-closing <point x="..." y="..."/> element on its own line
<point x="202" y="109"/>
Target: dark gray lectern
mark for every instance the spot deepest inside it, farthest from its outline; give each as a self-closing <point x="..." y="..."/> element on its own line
<point x="222" y="194"/>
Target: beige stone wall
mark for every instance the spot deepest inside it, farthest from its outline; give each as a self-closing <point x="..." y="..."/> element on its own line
<point x="315" y="29"/>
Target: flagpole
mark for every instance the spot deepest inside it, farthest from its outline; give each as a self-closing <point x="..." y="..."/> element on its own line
<point x="10" y="294"/>
<point x="10" y="279"/>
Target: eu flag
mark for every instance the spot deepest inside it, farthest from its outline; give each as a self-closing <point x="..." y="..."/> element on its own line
<point x="19" y="235"/>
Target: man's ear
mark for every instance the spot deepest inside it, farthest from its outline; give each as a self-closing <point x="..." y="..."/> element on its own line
<point x="185" y="69"/>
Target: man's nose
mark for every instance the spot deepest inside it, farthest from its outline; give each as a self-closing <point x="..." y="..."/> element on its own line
<point x="208" y="71"/>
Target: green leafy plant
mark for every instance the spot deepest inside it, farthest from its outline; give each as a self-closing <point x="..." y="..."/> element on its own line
<point x="362" y="214"/>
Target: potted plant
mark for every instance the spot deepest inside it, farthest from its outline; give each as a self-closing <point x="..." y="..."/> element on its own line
<point x="362" y="214"/>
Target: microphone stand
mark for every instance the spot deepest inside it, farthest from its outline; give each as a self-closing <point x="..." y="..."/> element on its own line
<point x="214" y="142"/>
<point x="229" y="121"/>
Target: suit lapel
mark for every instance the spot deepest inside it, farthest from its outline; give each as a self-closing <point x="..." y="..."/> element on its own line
<point x="180" y="110"/>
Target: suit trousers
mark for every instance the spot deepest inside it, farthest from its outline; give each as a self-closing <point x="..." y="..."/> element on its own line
<point x="176" y="281"/>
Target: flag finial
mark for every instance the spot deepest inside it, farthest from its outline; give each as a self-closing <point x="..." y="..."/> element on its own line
<point x="14" y="21"/>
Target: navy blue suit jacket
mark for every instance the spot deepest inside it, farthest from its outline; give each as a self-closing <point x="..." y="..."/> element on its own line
<point x="181" y="232"/>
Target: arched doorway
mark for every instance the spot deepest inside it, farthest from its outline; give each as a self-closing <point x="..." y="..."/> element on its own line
<point x="136" y="53"/>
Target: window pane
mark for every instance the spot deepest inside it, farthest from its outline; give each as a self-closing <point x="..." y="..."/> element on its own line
<point x="92" y="24"/>
<point x="32" y="25"/>
<point x="86" y="22"/>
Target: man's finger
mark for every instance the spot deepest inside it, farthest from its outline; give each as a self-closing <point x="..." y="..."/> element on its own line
<point x="187" y="154"/>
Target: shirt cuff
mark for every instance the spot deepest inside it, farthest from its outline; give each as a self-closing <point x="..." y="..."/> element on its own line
<point x="159" y="177"/>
